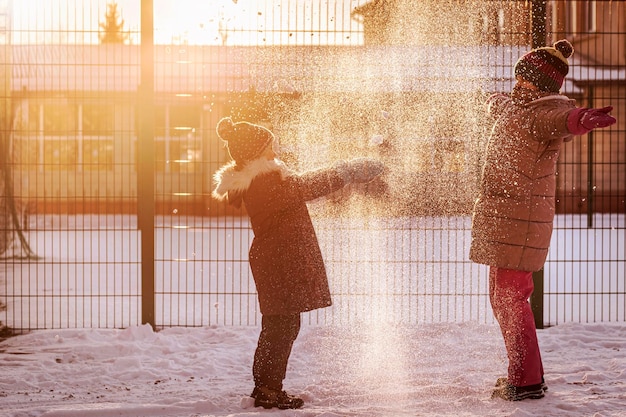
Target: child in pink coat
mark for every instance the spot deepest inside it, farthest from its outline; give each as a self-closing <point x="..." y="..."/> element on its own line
<point x="514" y="211"/>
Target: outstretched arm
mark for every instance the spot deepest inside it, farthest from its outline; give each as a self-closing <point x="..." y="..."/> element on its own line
<point x="315" y="184"/>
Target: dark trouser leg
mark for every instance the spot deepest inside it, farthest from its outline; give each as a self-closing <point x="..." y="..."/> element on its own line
<point x="509" y="291"/>
<point x="278" y="332"/>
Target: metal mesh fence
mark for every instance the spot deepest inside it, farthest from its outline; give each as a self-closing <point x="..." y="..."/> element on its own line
<point x="71" y="147"/>
<point x="401" y="81"/>
<point x="584" y="274"/>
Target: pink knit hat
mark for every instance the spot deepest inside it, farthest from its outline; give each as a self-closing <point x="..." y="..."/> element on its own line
<point x="546" y="67"/>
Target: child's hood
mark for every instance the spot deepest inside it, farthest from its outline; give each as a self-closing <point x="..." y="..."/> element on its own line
<point x="229" y="179"/>
<point x="498" y="103"/>
<point x="525" y="97"/>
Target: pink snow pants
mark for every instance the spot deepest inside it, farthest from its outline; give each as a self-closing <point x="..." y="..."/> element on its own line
<point x="509" y="291"/>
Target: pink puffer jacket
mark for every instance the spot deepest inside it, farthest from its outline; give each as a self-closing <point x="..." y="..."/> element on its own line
<point x="514" y="212"/>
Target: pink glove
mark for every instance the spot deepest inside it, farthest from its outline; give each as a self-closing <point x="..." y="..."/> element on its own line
<point x="582" y="120"/>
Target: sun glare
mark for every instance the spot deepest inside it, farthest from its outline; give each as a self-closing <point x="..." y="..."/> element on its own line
<point x="188" y="22"/>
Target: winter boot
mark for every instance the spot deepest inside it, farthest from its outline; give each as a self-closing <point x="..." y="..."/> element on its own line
<point x="510" y="392"/>
<point x="269" y="398"/>
<point x="504" y="380"/>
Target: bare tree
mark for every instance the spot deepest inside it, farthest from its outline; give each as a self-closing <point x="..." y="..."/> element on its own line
<point x="112" y="29"/>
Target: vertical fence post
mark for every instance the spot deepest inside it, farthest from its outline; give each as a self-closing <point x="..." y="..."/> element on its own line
<point x="538" y="19"/>
<point x="145" y="161"/>
<point x="590" y="179"/>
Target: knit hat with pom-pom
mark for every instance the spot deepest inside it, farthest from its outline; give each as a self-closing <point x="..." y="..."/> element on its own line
<point x="245" y="141"/>
<point x="546" y="67"/>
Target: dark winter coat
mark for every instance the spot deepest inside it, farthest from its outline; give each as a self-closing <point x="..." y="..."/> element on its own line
<point x="514" y="212"/>
<point x="285" y="256"/>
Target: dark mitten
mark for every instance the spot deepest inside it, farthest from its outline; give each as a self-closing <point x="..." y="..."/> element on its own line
<point x="581" y="120"/>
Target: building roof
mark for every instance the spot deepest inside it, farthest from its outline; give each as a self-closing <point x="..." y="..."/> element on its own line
<point x="278" y="69"/>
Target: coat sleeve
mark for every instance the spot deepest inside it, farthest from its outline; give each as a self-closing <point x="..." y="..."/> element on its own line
<point x="550" y="121"/>
<point x="318" y="183"/>
<point x="271" y="197"/>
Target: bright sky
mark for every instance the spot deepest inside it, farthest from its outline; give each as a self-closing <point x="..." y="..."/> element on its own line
<point x="255" y="22"/>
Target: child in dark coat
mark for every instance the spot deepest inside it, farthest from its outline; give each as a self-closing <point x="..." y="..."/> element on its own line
<point x="514" y="212"/>
<point x="285" y="256"/>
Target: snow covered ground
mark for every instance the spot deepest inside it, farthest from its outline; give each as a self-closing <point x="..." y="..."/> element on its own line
<point x="422" y="370"/>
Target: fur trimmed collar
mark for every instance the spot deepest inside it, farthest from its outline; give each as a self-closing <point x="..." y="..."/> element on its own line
<point x="230" y="179"/>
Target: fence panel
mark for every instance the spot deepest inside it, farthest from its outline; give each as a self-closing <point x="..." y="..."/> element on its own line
<point x="69" y="186"/>
<point x="586" y="268"/>
<point x="333" y="80"/>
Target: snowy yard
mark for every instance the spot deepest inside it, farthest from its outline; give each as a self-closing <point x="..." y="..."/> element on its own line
<point x="423" y="370"/>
